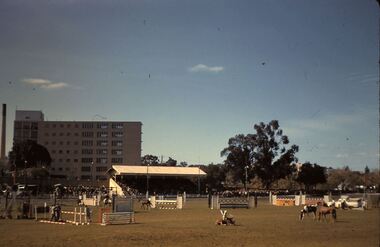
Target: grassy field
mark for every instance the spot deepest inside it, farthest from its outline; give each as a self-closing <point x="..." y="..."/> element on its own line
<point x="195" y="226"/>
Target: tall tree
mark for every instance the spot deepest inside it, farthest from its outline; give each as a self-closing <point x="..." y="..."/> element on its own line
<point x="29" y="154"/>
<point x="151" y="160"/>
<point x="311" y="175"/>
<point x="264" y="153"/>
<point x="215" y="176"/>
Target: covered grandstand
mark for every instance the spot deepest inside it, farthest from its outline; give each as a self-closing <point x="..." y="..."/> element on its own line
<point x="156" y="179"/>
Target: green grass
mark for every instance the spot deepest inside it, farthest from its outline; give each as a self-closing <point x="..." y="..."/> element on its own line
<point x="195" y="226"/>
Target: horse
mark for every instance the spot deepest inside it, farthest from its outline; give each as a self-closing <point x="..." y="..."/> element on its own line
<point x="308" y="209"/>
<point x="323" y="211"/>
<point x="145" y="204"/>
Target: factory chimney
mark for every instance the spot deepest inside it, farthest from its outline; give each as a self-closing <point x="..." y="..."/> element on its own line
<point x="2" y="152"/>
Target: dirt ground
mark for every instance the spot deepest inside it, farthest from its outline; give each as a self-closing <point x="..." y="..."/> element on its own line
<point x="195" y="226"/>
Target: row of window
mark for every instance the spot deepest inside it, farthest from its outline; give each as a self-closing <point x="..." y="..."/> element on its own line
<point x="102" y="160"/>
<point x="102" y="143"/>
<point x="85" y="125"/>
<point x="83" y="169"/>
<point x="98" y="168"/>
<point x="87" y="134"/>
<point x="61" y="143"/>
<point x="102" y="151"/>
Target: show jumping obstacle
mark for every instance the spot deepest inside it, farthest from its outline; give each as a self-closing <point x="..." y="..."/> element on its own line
<point x="80" y="217"/>
<point x="231" y="202"/>
<point x="118" y="218"/>
<point x="298" y="200"/>
<point x="167" y="204"/>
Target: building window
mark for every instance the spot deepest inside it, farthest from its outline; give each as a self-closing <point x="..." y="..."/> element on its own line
<point x="60" y="134"/>
<point x="67" y="169"/>
<point x="68" y="134"/>
<point x="86" y="160"/>
<point x="75" y="160"/>
<point x="53" y="151"/>
<point x="53" y="125"/>
<point x="46" y="143"/>
<point x="87" y="143"/>
<point x="60" y="151"/>
<point x="61" y="142"/>
<point x="86" y="151"/>
<point x="87" y="125"/>
<point x="60" y="160"/>
<point x="67" y="151"/>
<point x="101" y="160"/>
<point x="101" y="168"/>
<point x="68" y="143"/>
<point x="102" y="134"/>
<point x="117" y="134"/>
<point x="75" y="151"/>
<point x="88" y="134"/>
<point x="53" y="134"/>
<point x="117" y="143"/>
<point x="76" y="126"/>
<point x="117" y="152"/>
<point x="62" y="126"/>
<point x="60" y="169"/>
<point x="67" y="160"/>
<point x="75" y="143"/>
<point x="101" y="151"/>
<point x="101" y="143"/>
<point x="76" y="134"/>
<point x="46" y="134"/>
<point x="68" y="125"/>
<point x="102" y="125"/>
<point x="85" y="177"/>
<point x="46" y="125"/>
<point x="117" y="160"/>
<point x="53" y="142"/>
<point x="117" y="125"/>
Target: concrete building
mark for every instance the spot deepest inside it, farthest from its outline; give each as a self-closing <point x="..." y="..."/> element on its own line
<point x="84" y="149"/>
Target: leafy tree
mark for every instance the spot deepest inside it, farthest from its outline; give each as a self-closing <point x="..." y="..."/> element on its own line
<point x="265" y="153"/>
<point x="170" y="162"/>
<point x="29" y="154"/>
<point x="344" y="178"/>
<point x="238" y="155"/>
<point x="215" y="176"/>
<point x="151" y="160"/>
<point x="311" y="175"/>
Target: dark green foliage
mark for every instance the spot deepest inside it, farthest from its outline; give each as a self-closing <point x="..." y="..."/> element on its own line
<point x="215" y="176"/>
<point x="29" y="154"/>
<point x="265" y="153"/>
<point x="311" y="175"/>
<point x="151" y="160"/>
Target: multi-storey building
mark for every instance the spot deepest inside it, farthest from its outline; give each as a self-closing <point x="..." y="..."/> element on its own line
<point x="86" y="149"/>
<point x="26" y="125"/>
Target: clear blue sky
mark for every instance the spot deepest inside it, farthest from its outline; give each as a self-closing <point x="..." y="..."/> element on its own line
<point x="196" y="73"/>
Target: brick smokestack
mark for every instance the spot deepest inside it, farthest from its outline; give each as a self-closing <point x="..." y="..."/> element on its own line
<point x="2" y="152"/>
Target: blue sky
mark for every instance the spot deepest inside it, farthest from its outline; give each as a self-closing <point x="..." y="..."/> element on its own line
<point x="196" y="73"/>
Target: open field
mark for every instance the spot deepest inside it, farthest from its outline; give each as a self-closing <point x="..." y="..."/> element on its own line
<point x="195" y="226"/>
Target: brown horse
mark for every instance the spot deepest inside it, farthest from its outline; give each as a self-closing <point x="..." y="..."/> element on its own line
<point x="323" y="211"/>
<point x="146" y="204"/>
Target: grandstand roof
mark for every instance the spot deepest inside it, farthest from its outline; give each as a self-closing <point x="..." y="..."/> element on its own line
<point x="155" y="170"/>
